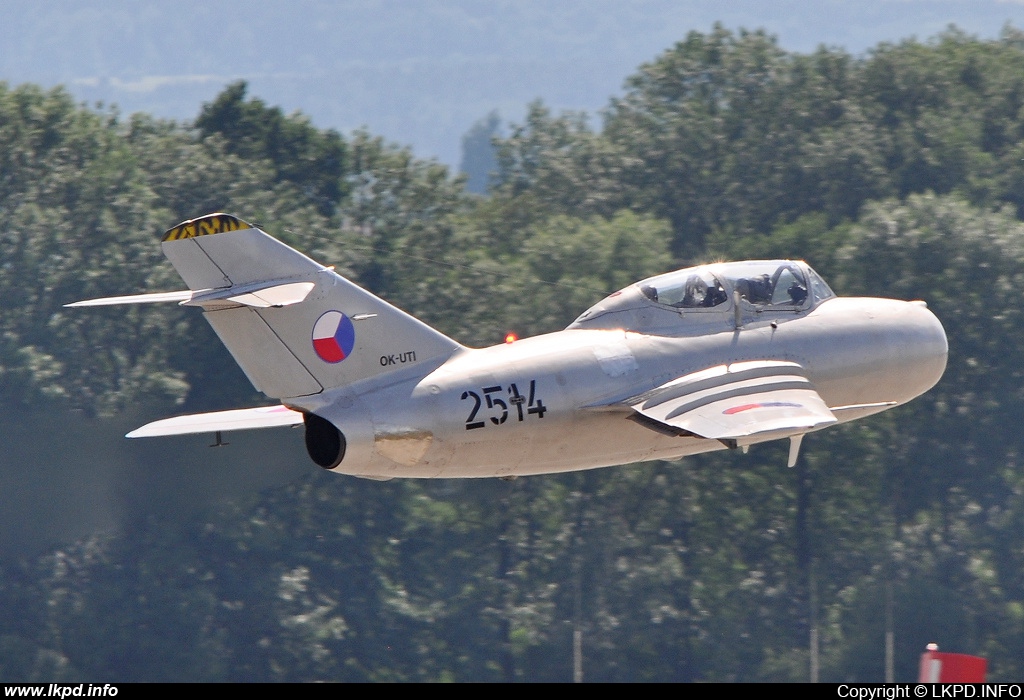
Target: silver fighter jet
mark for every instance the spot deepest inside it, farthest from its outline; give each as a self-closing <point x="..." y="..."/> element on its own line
<point x="719" y="356"/>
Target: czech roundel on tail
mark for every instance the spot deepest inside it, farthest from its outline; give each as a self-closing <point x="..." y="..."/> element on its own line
<point x="718" y="356"/>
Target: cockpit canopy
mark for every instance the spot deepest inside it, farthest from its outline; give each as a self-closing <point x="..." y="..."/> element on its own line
<point x="757" y="285"/>
<point x="759" y="282"/>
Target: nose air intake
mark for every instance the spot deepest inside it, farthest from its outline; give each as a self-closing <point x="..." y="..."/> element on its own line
<point x="923" y="349"/>
<point x="936" y="344"/>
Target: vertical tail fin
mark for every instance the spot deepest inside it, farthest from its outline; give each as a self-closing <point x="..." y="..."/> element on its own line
<point x="294" y="326"/>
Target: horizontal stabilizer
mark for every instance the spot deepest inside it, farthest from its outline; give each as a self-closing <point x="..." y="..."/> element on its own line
<point x="730" y="402"/>
<point x="218" y="421"/>
<point x="261" y="296"/>
<point x="156" y="298"/>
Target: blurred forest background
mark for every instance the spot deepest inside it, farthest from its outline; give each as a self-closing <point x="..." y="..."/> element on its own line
<point x="896" y="173"/>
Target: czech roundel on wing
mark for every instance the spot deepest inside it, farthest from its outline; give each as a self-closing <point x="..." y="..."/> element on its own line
<point x="333" y="337"/>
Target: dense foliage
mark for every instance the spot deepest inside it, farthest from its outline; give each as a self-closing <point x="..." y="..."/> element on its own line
<point x="900" y="174"/>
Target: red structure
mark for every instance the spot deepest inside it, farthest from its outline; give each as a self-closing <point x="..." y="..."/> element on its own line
<point x="943" y="667"/>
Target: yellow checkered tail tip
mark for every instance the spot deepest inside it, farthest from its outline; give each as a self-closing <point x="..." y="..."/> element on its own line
<point x="205" y="226"/>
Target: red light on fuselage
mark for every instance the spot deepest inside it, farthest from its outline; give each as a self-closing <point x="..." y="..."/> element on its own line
<point x="511" y="337"/>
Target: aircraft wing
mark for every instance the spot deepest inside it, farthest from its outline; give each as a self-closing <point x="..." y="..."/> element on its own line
<point x="217" y="421"/>
<point x="730" y="402"/>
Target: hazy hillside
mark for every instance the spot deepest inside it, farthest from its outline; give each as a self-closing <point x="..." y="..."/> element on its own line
<point x="418" y="73"/>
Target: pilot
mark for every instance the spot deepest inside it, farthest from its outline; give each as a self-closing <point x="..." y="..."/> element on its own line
<point x="715" y="295"/>
<point x="756" y="290"/>
<point x="696" y="293"/>
<point x="797" y="292"/>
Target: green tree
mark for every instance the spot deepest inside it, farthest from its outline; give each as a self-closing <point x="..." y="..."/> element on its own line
<point x="312" y="159"/>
